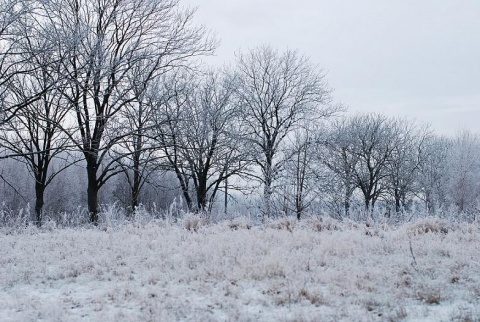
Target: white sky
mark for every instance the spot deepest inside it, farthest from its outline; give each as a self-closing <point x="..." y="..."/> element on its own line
<point x="407" y="58"/>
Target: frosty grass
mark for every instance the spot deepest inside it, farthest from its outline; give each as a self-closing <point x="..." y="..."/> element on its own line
<point x="316" y="270"/>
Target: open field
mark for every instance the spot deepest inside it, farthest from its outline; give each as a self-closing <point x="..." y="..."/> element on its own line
<point x="316" y="270"/>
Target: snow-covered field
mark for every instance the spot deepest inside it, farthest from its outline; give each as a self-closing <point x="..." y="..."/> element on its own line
<point x="318" y="270"/>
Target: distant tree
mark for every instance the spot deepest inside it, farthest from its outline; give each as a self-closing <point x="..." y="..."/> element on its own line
<point x="380" y="156"/>
<point x="405" y="162"/>
<point x="301" y="174"/>
<point x="199" y="134"/>
<point x="433" y="172"/>
<point x="137" y="152"/>
<point x="340" y="159"/>
<point x="464" y="172"/>
<point x="213" y="150"/>
<point x="373" y="144"/>
<point x="277" y="92"/>
<point x="170" y="98"/>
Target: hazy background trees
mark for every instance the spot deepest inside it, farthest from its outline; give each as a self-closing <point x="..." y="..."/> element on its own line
<point x="464" y="175"/>
<point x="398" y="163"/>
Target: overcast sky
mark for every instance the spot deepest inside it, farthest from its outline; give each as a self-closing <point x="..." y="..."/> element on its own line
<point x="407" y="58"/>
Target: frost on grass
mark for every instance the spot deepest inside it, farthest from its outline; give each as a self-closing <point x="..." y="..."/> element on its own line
<point x="317" y="269"/>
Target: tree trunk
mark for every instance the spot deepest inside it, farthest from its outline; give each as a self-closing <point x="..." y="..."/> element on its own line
<point x="267" y="199"/>
<point x="367" y="204"/>
<point x="225" y="201"/>
<point x="135" y="195"/>
<point x="299" y="205"/>
<point x="92" y="190"/>
<point x="403" y="202"/>
<point x="136" y="184"/>
<point x="202" y="193"/>
<point x="92" y="195"/>
<point x="39" y="202"/>
<point x="373" y="202"/>
<point x="398" y="205"/>
<point x="188" y="199"/>
<point x="429" y="203"/>
<point x="136" y="163"/>
<point x="267" y="191"/>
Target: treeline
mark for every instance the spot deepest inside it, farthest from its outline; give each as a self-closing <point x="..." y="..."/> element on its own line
<point x="109" y="100"/>
<point x="403" y="165"/>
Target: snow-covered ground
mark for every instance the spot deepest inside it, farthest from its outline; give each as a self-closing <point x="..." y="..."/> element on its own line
<point x="318" y="270"/>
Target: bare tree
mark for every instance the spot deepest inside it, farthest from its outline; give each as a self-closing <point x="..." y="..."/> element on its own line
<point x="199" y="134"/>
<point x="106" y="40"/>
<point x="277" y="92"/>
<point x="137" y="154"/>
<point x="36" y="113"/>
<point x="464" y="172"/>
<point x="171" y="100"/>
<point x="339" y="158"/>
<point x="405" y="162"/>
<point x="302" y="174"/>
<point x="212" y="149"/>
<point x="433" y="170"/>
<point x="35" y="134"/>
<point x="373" y="142"/>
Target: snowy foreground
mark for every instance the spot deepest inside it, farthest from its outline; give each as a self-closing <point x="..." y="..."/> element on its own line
<point x="319" y="270"/>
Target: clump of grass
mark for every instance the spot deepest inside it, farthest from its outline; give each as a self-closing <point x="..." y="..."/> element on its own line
<point x="294" y="297"/>
<point x="314" y="298"/>
<point x="432" y="225"/>
<point x="430" y="295"/>
<point x="324" y="223"/>
<point x="240" y="223"/>
<point x="282" y="224"/>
